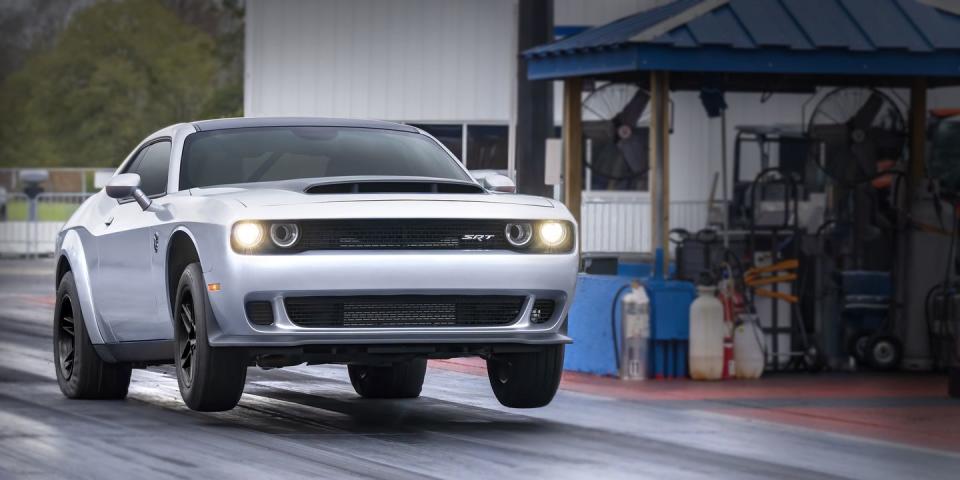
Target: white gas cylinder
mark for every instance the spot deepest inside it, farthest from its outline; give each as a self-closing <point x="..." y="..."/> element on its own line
<point x="748" y="347"/>
<point x="635" y="333"/>
<point x="706" y="335"/>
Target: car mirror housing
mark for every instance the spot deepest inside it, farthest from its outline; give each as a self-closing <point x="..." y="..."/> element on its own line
<point x="127" y="185"/>
<point x="499" y="184"/>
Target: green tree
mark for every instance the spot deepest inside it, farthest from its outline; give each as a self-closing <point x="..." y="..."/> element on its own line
<point x="119" y="71"/>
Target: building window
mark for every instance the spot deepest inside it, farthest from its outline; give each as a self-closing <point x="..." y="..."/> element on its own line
<point x="487" y="147"/>
<point x="451" y="136"/>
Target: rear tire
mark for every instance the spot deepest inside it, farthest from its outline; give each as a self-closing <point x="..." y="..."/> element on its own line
<point x="528" y="379"/>
<point x="400" y="380"/>
<point x="81" y="372"/>
<point x="211" y="379"/>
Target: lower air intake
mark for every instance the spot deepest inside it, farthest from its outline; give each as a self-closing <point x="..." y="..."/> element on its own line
<point x="404" y="311"/>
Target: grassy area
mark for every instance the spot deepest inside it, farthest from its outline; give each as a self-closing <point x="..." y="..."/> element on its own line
<point x="46" y="211"/>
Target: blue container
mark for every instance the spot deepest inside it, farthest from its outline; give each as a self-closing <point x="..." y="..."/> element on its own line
<point x="670" y="302"/>
<point x="638" y="269"/>
<point x="670" y="308"/>
<point x="589" y="324"/>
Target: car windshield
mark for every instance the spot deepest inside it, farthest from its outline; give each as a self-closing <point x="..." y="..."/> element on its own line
<point x="266" y="154"/>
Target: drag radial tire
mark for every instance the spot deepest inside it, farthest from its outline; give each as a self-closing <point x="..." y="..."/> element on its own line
<point x="527" y="379"/>
<point x="400" y="380"/>
<point x="211" y="379"/>
<point x="80" y="371"/>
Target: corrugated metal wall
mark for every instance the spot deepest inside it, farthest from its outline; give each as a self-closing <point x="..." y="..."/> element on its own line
<point x="410" y="60"/>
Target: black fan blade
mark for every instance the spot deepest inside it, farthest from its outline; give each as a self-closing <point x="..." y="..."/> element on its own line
<point x="633" y="109"/>
<point x="868" y="112"/>
<point x="634" y="150"/>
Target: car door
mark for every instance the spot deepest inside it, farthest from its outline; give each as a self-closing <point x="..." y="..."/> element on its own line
<point x="126" y="295"/>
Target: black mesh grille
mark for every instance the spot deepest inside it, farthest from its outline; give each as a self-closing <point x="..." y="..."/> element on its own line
<point x="402" y="235"/>
<point x="404" y="310"/>
<point x="260" y="313"/>
<point x="542" y="311"/>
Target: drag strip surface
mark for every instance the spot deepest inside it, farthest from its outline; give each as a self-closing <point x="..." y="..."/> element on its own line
<point x="305" y="422"/>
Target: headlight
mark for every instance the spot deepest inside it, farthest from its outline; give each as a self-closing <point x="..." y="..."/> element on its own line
<point x="247" y="235"/>
<point x="519" y="234"/>
<point x="284" y="235"/>
<point x="553" y="233"/>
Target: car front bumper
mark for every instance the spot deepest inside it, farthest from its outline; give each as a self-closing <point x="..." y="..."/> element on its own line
<point x="244" y="278"/>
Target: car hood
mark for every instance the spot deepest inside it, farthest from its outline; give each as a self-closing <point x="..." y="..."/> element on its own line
<point x="277" y="197"/>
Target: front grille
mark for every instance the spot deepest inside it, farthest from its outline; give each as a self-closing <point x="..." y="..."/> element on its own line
<point x="260" y="313"/>
<point x="404" y="310"/>
<point x="542" y="311"/>
<point x="436" y="234"/>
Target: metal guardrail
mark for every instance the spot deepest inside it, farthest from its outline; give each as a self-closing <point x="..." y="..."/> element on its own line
<point x="21" y="237"/>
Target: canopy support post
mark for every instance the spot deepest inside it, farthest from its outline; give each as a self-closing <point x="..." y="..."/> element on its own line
<point x="659" y="178"/>
<point x="916" y="349"/>
<point x="572" y="146"/>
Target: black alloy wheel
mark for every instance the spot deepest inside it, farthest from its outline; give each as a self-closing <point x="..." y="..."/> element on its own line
<point x="186" y="321"/>
<point x="66" y="338"/>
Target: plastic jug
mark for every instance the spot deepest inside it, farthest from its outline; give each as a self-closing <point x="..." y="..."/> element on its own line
<point x="748" y="347"/>
<point x="706" y="335"/>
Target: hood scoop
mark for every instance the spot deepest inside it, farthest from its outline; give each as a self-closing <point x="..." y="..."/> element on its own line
<point x="392" y="187"/>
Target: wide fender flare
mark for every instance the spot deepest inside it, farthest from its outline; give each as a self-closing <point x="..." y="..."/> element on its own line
<point x="73" y="249"/>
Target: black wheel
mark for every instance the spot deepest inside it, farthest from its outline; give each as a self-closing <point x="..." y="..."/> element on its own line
<point x="400" y="380"/>
<point x="884" y="352"/>
<point x="528" y="379"/>
<point x="81" y="373"/>
<point x="211" y="379"/>
<point x="857" y="346"/>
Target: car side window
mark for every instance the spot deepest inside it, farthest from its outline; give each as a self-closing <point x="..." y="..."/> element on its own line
<point x="152" y="164"/>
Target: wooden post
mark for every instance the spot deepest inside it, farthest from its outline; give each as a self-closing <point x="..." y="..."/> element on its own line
<point x="909" y="319"/>
<point x="659" y="178"/>
<point x="572" y="146"/>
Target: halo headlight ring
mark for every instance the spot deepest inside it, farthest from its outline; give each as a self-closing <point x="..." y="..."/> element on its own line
<point x="519" y="234"/>
<point x="284" y="235"/>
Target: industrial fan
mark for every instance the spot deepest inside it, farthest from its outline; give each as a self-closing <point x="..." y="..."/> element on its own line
<point x="856" y="132"/>
<point x="612" y="118"/>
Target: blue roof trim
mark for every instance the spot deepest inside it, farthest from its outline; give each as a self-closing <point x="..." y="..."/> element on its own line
<point x="647" y="57"/>
<point x="562" y="31"/>
<point x="837" y="37"/>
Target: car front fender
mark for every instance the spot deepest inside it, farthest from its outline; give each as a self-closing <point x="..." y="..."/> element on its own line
<point x="76" y="245"/>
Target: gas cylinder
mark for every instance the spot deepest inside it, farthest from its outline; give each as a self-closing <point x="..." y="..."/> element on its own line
<point x="706" y="335"/>
<point x="748" y="347"/>
<point x="635" y="333"/>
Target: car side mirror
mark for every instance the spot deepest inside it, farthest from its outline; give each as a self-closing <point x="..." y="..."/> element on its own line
<point x="127" y="185"/>
<point x="499" y="184"/>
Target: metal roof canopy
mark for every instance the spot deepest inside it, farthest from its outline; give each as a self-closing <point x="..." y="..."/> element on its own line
<point x="767" y="45"/>
<point x="754" y="45"/>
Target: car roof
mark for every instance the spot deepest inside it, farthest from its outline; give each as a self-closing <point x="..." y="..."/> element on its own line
<point x="226" y="123"/>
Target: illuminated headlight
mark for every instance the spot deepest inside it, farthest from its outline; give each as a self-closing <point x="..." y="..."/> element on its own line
<point x="284" y="235"/>
<point x="247" y="235"/>
<point x="553" y="233"/>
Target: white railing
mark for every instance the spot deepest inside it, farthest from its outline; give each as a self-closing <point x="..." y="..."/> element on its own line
<point x="620" y="221"/>
<point x="611" y="221"/>
<point x="19" y="236"/>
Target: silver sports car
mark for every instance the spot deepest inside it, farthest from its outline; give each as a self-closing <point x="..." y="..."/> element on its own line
<point x="223" y="244"/>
